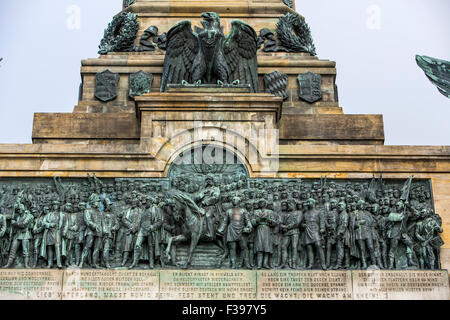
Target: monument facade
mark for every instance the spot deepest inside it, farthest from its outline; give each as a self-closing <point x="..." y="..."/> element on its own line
<point x="209" y="158"/>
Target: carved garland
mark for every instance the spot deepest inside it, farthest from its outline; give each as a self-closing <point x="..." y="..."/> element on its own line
<point x="292" y="35"/>
<point x="295" y="35"/>
<point x="120" y="34"/>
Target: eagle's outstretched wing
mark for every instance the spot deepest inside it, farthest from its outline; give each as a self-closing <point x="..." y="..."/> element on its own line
<point x="182" y="47"/>
<point x="240" y="48"/>
<point x="437" y="71"/>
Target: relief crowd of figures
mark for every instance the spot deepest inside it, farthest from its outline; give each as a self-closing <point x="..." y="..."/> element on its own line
<point x="254" y="223"/>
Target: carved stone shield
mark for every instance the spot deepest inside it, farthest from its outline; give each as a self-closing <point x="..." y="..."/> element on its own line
<point x="310" y="87"/>
<point x="140" y="83"/>
<point x="276" y="83"/>
<point x="106" y="84"/>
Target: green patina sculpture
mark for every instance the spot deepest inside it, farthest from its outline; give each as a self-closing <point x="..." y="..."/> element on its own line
<point x="106" y="85"/>
<point x="120" y="33"/>
<point x="210" y="214"/>
<point x="293" y="34"/>
<point x="140" y="83"/>
<point x="128" y="3"/>
<point x="289" y="3"/>
<point x="437" y="71"/>
<point x="310" y="87"/>
<point x="276" y="83"/>
<point x="208" y="56"/>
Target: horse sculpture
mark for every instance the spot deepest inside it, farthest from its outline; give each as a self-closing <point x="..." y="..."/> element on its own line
<point x="192" y="218"/>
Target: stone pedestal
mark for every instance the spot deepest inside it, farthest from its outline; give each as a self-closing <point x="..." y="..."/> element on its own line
<point x="245" y="122"/>
<point x="75" y="284"/>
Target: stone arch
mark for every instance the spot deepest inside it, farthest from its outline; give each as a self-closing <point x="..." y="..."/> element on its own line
<point x="249" y="153"/>
<point x="238" y="160"/>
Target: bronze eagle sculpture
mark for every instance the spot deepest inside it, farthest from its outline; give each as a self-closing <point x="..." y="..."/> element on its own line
<point x="207" y="56"/>
<point x="437" y="71"/>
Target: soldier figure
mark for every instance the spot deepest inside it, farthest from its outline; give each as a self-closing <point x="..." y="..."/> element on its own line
<point x="69" y="234"/>
<point x="168" y="230"/>
<point x="21" y="223"/>
<point x="275" y="226"/>
<point x="262" y="222"/>
<point x="276" y="232"/>
<point x="237" y="223"/>
<point x="394" y="231"/>
<point x="79" y="239"/>
<point x="302" y="236"/>
<point x="3" y="240"/>
<point x="427" y="233"/>
<point x="363" y="233"/>
<point x="315" y="228"/>
<point x="131" y="221"/>
<point x="291" y="220"/>
<point x="119" y="208"/>
<point x="94" y="231"/>
<point x="208" y="200"/>
<point x="397" y="230"/>
<point x="151" y="223"/>
<point x="157" y="229"/>
<point x="110" y="226"/>
<point x="250" y="238"/>
<point x="343" y="237"/>
<point x="38" y="233"/>
<point x="378" y="235"/>
<point x="53" y="222"/>
<point x="331" y="224"/>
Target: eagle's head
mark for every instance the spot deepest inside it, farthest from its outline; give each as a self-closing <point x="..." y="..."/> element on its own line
<point x="211" y="20"/>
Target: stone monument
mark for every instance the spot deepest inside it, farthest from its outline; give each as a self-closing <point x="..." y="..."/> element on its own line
<point x="209" y="158"/>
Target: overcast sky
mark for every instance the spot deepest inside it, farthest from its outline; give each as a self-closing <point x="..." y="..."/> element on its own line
<point x="373" y="42"/>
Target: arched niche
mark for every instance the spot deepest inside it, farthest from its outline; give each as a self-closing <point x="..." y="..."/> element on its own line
<point x="189" y="169"/>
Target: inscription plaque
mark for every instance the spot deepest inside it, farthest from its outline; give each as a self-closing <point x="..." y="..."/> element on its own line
<point x="30" y="284"/>
<point x="400" y="285"/>
<point x="110" y="284"/>
<point x="304" y="285"/>
<point x="79" y="284"/>
<point x="208" y="285"/>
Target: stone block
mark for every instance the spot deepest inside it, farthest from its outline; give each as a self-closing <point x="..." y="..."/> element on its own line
<point x="207" y="285"/>
<point x="304" y="285"/>
<point x="110" y="285"/>
<point x="35" y="284"/>
<point x="400" y="285"/>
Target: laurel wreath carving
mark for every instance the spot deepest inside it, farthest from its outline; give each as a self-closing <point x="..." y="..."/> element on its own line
<point x="120" y="34"/>
<point x="295" y="35"/>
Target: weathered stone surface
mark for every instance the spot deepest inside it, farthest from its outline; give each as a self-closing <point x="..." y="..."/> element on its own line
<point x="208" y="285"/>
<point x="208" y="89"/>
<point x="30" y="284"/>
<point x="350" y="129"/>
<point x="400" y="285"/>
<point x="294" y="129"/>
<point x="304" y="285"/>
<point x="85" y="126"/>
<point x="110" y="284"/>
<point x="288" y="63"/>
<point x="228" y="7"/>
